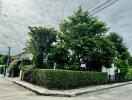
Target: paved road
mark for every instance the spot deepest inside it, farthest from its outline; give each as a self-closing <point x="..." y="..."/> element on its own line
<point x="11" y="91"/>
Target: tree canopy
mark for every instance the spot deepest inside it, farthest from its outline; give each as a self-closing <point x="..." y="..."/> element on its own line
<point x="118" y="42"/>
<point x="84" y="35"/>
<point x="41" y="39"/>
<point x="81" y="39"/>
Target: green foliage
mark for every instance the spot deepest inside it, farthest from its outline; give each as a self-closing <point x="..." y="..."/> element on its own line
<point x="41" y="40"/>
<point x="99" y="51"/>
<point x="123" y="56"/>
<point x="59" y="55"/>
<point x="83" y="34"/>
<point x="23" y="63"/>
<point x="1" y="57"/>
<point x="62" y="79"/>
<point x="118" y="42"/>
<point x="81" y="39"/>
<point x="122" y="65"/>
<point x="14" y="68"/>
<point x="4" y="59"/>
<point x="1" y="69"/>
<point x="129" y="75"/>
<point x="27" y="68"/>
<point x="71" y="67"/>
<point x="130" y="61"/>
<point x="38" y="60"/>
<point x="81" y="24"/>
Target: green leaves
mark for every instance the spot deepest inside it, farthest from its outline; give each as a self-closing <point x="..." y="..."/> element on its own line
<point x="118" y="42"/>
<point x="41" y="40"/>
<point x="62" y="79"/>
<point x="122" y="65"/>
<point x="59" y="55"/>
<point x="123" y="56"/>
<point x="81" y="37"/>
<point x="84" y="35"/>
<point x="82" y="24"/>
<point x="4" y="59"/>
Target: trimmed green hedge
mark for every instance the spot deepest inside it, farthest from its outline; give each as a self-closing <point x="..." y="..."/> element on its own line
<point x="63" y="79"/>
<point x="129" y="75"/>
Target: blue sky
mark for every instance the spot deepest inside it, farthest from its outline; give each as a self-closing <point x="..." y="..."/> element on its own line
<point x="17" y="15"/>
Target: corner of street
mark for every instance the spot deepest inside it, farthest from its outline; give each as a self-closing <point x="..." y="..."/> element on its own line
<point x="11" y="91"/>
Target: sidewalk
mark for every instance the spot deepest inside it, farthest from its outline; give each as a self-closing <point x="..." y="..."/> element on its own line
<point x="65" y="93"/>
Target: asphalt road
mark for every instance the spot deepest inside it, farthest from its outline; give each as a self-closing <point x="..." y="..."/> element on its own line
<point x="11" y="91"/>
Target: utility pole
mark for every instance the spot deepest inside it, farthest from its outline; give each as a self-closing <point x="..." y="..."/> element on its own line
<point x="9" y="51"/>
<point x="8" y="60"/>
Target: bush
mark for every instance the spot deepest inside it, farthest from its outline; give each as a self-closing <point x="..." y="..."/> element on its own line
<point x="1" y="69"/>
<point x="38" y="60"/>
<point x="4" y="59"/>
<point x="24" y="63"/>
<point x="64" y="79"/>
<point x="129" y="75"/>
<point x="123" y="66"/>
<point x="13" y="68"/>
<point x="71" y="67"/>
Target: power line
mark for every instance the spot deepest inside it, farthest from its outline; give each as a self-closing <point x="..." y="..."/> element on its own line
<point x="84" y="2"/>
<point x="87" y="3"/>
<point x="104" y="3"/>
<point x="91" y="4"/>
<point x="104" y="7"/>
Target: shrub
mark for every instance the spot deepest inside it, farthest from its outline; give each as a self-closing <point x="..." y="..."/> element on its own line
<point x="13" y="68"/>
<point x="38" y="60"/>
<point x="129" y="75"/>
<point x="64" y="79"/>
<point x="24" y="63"/>
<point x="25" y="69"/>
<point x="1" y="69"/>
<point x="4" y="59"/>
<point x="123" y="66"/>
<point x="71" y="67"/>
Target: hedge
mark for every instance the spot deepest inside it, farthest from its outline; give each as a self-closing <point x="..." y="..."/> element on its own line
<point x="63" y="79"/>
<point x="129" y="75"/>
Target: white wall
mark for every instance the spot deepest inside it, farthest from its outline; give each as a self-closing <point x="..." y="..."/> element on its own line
<point x="110" y="71"/>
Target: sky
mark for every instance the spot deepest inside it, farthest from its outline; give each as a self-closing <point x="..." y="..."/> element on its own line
<point x="17" y="15"/>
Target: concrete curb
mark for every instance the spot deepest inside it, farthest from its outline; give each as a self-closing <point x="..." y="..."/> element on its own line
<point x="66" y="93"/>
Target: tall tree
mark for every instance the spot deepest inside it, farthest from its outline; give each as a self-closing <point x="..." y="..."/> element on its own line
<point x="59" y="55"/>
<point x="102" y="53"/>
<point x="130" y="61"/>
<point x="83" y="35"/>
<point x="123" y="55"/>
<point x="118" y="42"/>
<point x="41" y="40"/>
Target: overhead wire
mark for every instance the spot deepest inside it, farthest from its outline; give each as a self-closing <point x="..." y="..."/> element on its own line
<point x="87" y="3"/>
<point x="91" y="5"/>
<point x="102" y="4"/>
<point x="106" y="6"/>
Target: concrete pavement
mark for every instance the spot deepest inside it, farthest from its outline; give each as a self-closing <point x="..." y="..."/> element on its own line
<point x="11" y="91"/>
